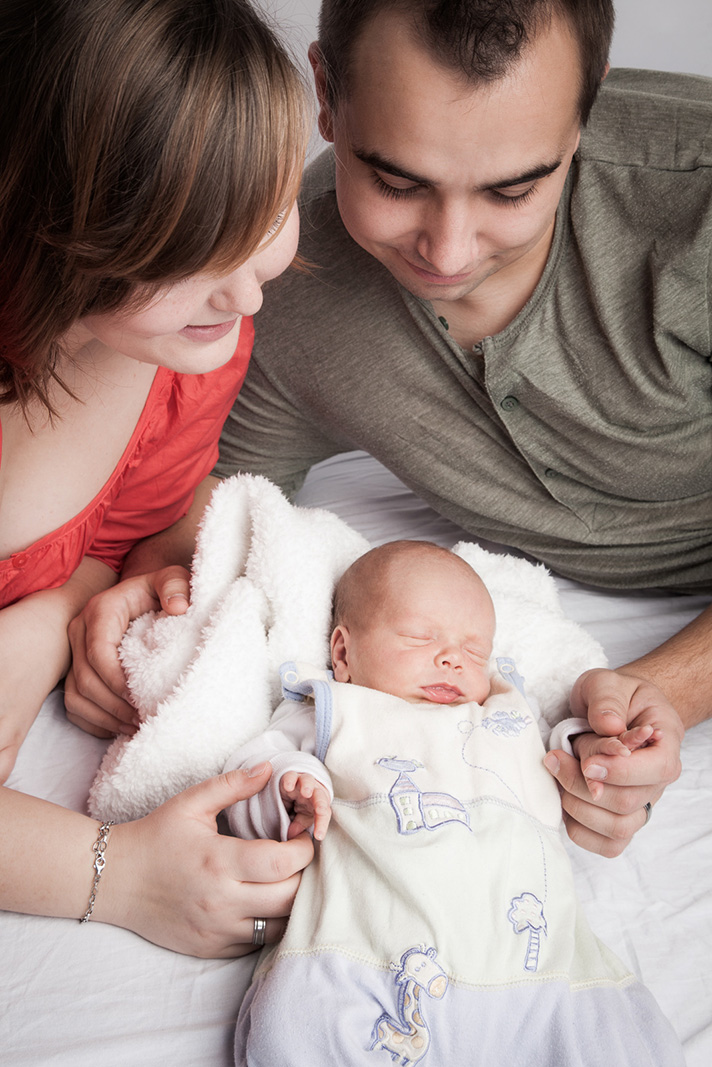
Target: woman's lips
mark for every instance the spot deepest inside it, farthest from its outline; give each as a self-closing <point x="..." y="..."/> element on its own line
<point x="208" y="333"/>
<point x="442" y="694"/>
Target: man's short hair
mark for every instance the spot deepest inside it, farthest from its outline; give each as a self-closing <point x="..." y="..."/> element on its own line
<point x="479" y="39"/>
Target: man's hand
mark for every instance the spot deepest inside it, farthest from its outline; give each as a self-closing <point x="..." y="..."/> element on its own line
<point x="604" y="796"/>
<point x="95" y="692"/>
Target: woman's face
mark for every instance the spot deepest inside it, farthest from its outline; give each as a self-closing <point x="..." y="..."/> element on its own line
<point x="193" y="326"/>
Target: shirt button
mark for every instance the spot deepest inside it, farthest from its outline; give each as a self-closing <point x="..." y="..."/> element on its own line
<point x="509" y="403"/>
<point x="19" y="561"/>
<point x="551" y="473"/>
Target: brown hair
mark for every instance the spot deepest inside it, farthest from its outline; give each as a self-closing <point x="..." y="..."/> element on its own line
<point x="141" y="142"/>
<point x="480" y="39"/>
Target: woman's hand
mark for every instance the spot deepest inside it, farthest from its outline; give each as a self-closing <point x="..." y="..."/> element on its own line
<point x="604" y="796"/>
<point x="171" y="878"/>
<point x="95" y="692"/>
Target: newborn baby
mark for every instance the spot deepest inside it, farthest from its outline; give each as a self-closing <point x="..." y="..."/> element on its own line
<point x="438" y="921"/>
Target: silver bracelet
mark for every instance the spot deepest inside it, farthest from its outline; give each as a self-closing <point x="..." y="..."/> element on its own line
<point x="99" y="848"/>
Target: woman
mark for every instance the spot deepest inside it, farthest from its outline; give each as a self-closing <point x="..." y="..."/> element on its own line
<point x="149" y="169"/>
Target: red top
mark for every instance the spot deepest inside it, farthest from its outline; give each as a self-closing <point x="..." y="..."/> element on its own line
<point x="173" y="447"/>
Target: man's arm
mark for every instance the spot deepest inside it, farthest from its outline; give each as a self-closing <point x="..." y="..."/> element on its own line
<point x="682" y="669"/>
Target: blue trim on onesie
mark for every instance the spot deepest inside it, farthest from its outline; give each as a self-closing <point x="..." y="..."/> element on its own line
<point x="323" y="717"/>
<point x="297" y="688"/>
<point x="293" y="687"/>
<point x="508" y="669"/>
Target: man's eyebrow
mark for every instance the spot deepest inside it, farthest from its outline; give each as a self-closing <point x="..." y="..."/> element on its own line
<point x="532" y="175"/>
<point x="379" y="162"/>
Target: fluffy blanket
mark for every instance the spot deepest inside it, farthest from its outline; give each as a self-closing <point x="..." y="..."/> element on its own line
<point x="261" y="587"/>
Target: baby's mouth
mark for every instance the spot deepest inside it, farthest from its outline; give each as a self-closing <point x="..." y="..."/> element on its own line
<point x="442" y="694"/>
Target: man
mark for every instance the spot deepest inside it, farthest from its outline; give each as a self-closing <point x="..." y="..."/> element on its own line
<point x="515" y="323"/>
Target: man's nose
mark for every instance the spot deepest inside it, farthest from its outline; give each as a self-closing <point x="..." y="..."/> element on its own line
<point x="448" y="241"/>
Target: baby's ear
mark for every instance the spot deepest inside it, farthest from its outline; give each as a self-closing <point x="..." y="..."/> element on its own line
<point x="340" y="654"/>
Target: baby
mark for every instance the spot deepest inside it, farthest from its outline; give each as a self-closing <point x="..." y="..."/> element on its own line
<point x="443" y="876"/>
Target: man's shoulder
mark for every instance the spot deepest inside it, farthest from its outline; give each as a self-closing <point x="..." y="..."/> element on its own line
<point x="318" y="180"/>
<point x="651" y="118"/>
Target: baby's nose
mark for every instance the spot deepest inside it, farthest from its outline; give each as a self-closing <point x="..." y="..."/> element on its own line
<point x="450" y="657"/>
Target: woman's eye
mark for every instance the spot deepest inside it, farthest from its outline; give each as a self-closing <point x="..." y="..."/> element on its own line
<point x="276" y="224"/>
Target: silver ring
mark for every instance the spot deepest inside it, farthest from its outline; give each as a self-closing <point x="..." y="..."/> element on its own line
<point x="648" y="809"/>
<point x="258" y="932"/>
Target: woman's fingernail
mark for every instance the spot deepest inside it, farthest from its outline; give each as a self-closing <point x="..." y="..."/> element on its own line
<point x="551" y="763"/>
<point x="598" y="774"/>
<point x="255" y="772"/>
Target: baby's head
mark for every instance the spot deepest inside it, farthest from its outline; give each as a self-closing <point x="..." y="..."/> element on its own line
<point x="414" y="620"/>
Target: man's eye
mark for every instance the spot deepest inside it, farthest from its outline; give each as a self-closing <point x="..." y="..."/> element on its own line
<point x="515" y="199"/>
<point x="392" y="191"/>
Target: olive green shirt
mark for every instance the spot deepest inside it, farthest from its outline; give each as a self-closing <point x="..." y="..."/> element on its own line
<point x="582" y="432"/>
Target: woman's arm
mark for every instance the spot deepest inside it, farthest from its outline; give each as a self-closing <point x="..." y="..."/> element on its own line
<point x="169" y="877"/>
<point x="155" y="575"/>
<point x="35" y="651"/>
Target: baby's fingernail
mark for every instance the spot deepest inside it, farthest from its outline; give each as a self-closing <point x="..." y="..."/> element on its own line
<point x="255" y="772"/>
<point x="551" y="763"/>
<point x="595" y="772"/>
<point x="128" y="728"/>
<point x="595" y="790"/>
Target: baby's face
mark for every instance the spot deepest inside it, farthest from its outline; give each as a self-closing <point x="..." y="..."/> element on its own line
<point x="427" y="639"/>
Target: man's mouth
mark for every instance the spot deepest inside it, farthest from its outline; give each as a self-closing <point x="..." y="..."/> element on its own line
<point x="438" y="279"/>
<point x="442" y="694"/>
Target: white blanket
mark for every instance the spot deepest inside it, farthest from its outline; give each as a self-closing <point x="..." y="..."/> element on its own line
<point x="263" y="577"/>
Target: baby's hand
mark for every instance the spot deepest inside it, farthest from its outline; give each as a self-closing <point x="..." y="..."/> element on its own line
<point x="310" y="803"/>
<point x="589" y="745"/>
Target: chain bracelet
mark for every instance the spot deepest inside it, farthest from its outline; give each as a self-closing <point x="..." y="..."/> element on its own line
<point x="99" y="848"/>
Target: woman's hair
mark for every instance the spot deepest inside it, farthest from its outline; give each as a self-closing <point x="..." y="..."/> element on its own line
<point x="141" y="142"/>
<point x="479" y="39"/>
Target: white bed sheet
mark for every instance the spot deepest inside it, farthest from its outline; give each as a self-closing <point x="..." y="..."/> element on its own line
<point x="76" y="996"/>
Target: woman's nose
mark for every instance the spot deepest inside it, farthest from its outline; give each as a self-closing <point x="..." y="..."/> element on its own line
<point x="238" y="292"/>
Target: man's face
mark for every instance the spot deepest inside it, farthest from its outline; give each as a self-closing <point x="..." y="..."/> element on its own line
<point x="446" y="184"/>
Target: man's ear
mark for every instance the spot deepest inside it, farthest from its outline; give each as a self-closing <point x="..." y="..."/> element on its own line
<point x="326" y="115"/>
<point x="340" y="639"/>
